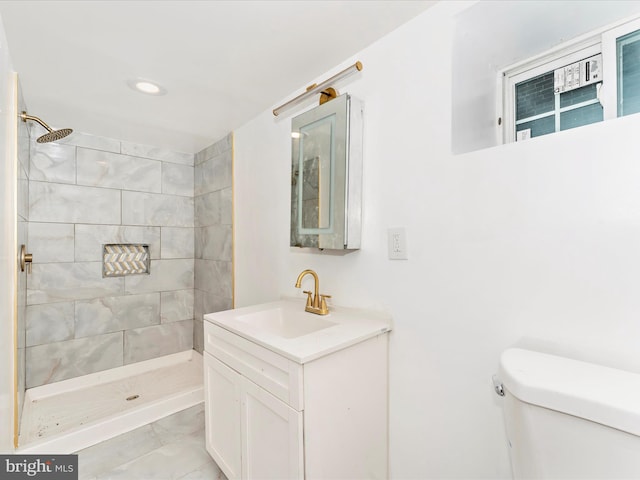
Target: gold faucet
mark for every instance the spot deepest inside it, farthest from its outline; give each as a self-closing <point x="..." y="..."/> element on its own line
<point x="314" y="304"/>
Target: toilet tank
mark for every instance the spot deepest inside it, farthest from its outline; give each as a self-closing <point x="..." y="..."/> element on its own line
<point x="569" y="419"/>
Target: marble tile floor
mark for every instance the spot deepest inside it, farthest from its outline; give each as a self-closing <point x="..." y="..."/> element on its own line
<point x="171" y="448"/>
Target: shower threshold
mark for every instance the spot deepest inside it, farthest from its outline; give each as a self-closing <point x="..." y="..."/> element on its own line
<point x="67" y="416"/>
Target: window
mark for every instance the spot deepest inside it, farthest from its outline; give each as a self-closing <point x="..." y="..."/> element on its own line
<point x="582" y="84"/>
<point x="628" y="73"/>
<point x="539" y="110"/>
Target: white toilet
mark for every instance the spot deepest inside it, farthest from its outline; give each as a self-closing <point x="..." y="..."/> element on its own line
<point x="569" y="419"/>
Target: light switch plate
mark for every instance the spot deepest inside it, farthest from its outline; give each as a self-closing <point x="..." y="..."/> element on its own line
<point x="397" y="244"/>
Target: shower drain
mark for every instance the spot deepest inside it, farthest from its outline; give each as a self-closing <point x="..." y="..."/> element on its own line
<point x="132" y="397"/>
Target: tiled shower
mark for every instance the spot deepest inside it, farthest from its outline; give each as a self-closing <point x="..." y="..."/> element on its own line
<point x="86" y="191"/>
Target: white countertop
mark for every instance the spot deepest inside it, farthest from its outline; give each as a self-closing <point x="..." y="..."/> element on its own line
<point x="348" y="327"/>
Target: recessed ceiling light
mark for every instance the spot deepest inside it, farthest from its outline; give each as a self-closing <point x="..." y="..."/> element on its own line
<point x="146" y="86"/>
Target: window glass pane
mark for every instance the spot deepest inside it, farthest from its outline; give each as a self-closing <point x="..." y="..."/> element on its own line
<point x="582" y="94"/>
<point x="538" y="127"/>
<point x="535" y="96"/>
<point x="628" y="52"/>
<point x="581" y="116"/>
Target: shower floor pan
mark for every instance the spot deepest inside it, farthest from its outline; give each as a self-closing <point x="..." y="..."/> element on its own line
<point x="67" y="416"/>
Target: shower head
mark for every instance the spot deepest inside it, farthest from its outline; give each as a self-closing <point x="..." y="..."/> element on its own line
<point x="52" y="135"/>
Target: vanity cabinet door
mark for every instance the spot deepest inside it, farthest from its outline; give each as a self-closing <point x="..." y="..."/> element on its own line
<point x="222" y="387"/>
<point x="271" y="436"/>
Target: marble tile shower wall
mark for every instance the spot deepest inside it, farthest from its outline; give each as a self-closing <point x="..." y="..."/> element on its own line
<point x="213" y="233"/>
<point x="86" y="191"/>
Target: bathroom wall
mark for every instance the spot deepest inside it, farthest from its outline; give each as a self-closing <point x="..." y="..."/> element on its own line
<point x="213" y="233"/>
<point x="526" y="31"/>
<point x="532" y="243"/>
<point x="86" y="191"/>
<point x="8" y="219"/>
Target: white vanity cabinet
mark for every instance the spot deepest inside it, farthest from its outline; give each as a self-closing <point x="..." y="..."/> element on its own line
<point x="272" y="417"/>
<point x="249" y="430"/>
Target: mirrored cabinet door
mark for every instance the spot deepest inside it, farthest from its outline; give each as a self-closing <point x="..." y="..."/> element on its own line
<point x="326" y="176"/>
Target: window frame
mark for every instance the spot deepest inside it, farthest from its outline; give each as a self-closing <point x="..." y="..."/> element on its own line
<point x="547" y="64"/>
<point x="609" y="91"/>
<point x="601" y="41"/>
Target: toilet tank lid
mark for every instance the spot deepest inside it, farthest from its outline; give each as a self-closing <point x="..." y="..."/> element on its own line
<point x="601" y="394"/>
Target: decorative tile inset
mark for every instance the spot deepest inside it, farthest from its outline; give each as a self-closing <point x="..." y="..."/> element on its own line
<point x="119" y="260"/>
<point x="91" y="238"/>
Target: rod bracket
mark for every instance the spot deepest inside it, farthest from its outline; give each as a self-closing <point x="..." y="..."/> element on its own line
<point x="327" y="92"/>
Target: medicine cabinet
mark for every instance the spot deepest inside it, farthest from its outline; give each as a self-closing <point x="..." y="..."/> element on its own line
<point x="326" y="176"/>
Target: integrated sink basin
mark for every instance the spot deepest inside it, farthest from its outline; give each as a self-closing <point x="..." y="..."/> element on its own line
<point x="285" y="323"/>
<point x="285" y="328"/>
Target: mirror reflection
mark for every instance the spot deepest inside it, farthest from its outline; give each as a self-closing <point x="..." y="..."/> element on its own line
<point x="323" y="159"/>
<point x="315" y="174"/>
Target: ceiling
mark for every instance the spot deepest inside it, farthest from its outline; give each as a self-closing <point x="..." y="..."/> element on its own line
<point x="221" y="62"/>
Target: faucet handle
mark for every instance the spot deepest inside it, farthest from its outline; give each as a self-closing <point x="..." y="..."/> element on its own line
<point x="309" y="300"/>
<point x="323" y="303"/>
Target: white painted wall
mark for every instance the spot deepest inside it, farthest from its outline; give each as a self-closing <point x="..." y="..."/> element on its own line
<point x="535" y="243"/>
<point x="8" y="212"/>
<point x="493" y="35"/>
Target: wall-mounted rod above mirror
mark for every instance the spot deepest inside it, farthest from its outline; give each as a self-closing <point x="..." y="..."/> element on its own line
<point x="319" y="88"/>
